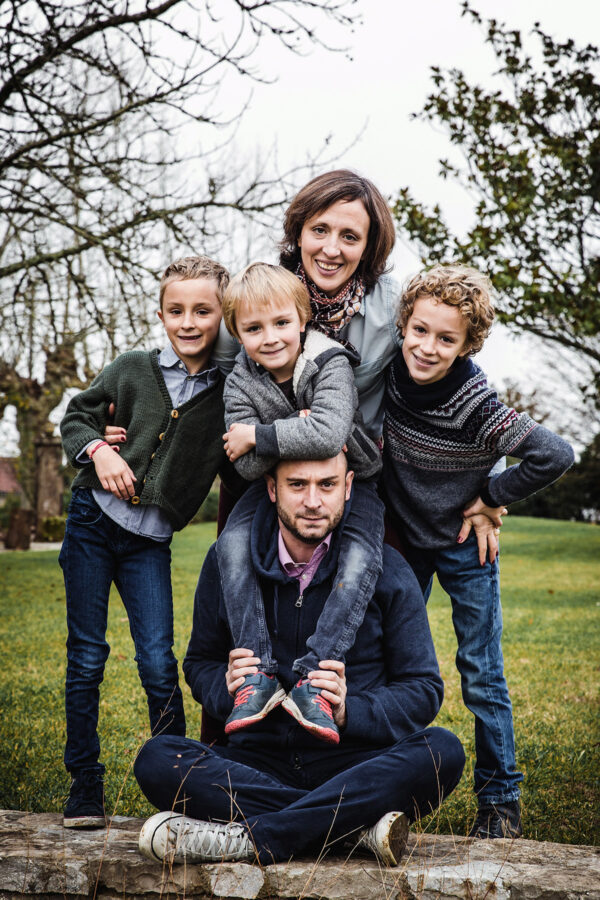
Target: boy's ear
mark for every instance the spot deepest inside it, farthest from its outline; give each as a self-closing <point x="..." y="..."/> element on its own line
<point x="159" y="313"/>
<point x="465" y="350"/>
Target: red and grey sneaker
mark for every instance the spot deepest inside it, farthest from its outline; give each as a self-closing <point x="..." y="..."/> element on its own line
<point x="310" y="708"/>
<point x="258" y="695"/>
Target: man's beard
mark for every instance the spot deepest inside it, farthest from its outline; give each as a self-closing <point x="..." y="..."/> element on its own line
<point x="312" y="539"/>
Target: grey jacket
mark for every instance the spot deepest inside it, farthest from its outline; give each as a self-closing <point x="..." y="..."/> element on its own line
<point x="372" y="331"/>
<point x="323" y="382"/>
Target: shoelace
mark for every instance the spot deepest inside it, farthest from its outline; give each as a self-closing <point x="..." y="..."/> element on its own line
<point x="243" y="694"/>
<point x="324" y="705"/>
<point x="212" y="840"/>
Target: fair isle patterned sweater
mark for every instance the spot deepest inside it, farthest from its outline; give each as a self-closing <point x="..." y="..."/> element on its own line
<point x="440" y="442"/>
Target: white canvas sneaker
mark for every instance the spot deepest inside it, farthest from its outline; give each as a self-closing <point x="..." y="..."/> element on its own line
<point x="175" y="838"/>
<point x="387" y="838"/>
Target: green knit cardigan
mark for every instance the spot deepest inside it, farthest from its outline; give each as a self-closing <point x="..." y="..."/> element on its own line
<point x="175" y="454"/>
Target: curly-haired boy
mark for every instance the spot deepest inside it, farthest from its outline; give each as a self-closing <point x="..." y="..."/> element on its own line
<point x="445" y="429"/>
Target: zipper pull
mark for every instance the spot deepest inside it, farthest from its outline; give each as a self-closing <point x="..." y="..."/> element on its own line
<point x="298" y="602"/>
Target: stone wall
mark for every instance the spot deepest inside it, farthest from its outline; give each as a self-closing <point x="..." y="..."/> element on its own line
<point x="41" y="859"/>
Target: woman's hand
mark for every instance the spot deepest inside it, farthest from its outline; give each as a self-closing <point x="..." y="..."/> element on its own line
<point x="331" y="680"/>
<point x="114" y="473"/>
<point x="114" y="434"/>
<point x="242" y="662"/>
<point x="494" y="513"/>
<point x="239" y="440"/>
<point x="487" y="521"/>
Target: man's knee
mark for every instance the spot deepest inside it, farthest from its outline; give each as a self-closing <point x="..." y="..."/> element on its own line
<point x="447" y="754"/>
<point x="152" y="762"/>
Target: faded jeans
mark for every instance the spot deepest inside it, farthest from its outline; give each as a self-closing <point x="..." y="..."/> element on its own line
<point x="95" y="552"/>
<point x="474" y="592"/>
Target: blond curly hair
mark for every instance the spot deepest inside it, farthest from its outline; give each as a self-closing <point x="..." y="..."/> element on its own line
<point x="456" y="285"/>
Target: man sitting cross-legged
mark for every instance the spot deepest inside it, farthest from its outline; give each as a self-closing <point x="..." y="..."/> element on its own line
<point x="274" y="790"/>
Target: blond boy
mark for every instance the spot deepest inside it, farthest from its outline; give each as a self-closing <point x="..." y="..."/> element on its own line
<point x="291" y="395"/>
<point x="125" y="507"/>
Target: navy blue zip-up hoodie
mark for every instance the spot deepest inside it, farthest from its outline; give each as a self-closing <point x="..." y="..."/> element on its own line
<point x="393" y="681"/>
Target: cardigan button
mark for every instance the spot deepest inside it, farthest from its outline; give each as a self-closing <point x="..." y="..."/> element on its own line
<point x="135" y="499"/>
<point x="174" y="413"/>
<point x="161" y="435"/>
<point x="152" y="455"/>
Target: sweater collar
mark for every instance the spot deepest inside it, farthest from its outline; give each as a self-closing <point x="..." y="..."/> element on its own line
<point x="429" y="396"/>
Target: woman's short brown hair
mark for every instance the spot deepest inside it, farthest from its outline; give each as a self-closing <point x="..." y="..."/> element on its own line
<point x="457" y="285"/>
<point x="321" y="193"/>
<point x="260" y="285"/>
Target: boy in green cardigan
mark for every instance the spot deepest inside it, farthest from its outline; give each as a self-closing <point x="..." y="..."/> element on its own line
<point x="126" y="506"/>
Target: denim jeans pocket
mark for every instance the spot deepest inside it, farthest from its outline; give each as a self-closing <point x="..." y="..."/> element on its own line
<point x="83" y="509"/>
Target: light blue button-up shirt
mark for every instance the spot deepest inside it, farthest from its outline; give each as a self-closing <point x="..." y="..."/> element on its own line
<point x="149" y="520"/>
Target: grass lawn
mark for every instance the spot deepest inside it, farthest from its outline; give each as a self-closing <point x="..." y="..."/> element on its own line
<point x="551" y="600"/>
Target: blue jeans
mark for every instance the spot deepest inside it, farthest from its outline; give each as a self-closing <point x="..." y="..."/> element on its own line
<point x="360" y="563"/>
<point x="296" y="803"/>
<point x="95" y="552"/>
<point x="474" y="591"/>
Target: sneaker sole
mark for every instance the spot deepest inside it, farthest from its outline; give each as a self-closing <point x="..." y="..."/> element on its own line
<point x="330" y="735"/>
<point x="85" y="822"/>
<point x="395" y="844"/>
<point x="238" y="724"/>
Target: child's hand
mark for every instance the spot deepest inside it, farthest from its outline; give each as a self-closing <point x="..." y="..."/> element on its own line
<point x="486" y="533"/>
<point x="242" y="662"/>
<point x="239" y="440"/>
<point x="114" y="473"/>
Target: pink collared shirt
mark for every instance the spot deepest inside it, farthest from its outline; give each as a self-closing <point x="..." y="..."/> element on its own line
<point x="303" y="571"/>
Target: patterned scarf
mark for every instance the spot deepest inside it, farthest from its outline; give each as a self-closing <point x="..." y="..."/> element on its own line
<point x="330" y="314"/>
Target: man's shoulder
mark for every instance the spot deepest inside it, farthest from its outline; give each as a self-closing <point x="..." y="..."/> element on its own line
<point x="397" y="575"/>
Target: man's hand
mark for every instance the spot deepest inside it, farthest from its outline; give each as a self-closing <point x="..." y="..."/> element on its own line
<point x="239" y="440"/>
<point x="114" y="473"/>
<point x="114" y="434"/>
<point x="241" y="663"/>
<point x="331" y="679"/>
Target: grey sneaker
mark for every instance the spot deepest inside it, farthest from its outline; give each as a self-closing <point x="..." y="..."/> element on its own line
<point x="387" y="838"/>
<point x="172" y="837"/>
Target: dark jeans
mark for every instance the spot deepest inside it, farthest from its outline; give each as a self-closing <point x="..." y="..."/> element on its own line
<point x="296" y="803"/>
<point x="95" y="552"/>
<point x="359" y="567"/>
<point x="474" y="591"/>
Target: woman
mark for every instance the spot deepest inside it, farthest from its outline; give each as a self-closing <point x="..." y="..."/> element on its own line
<point x="338" y="234"/>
